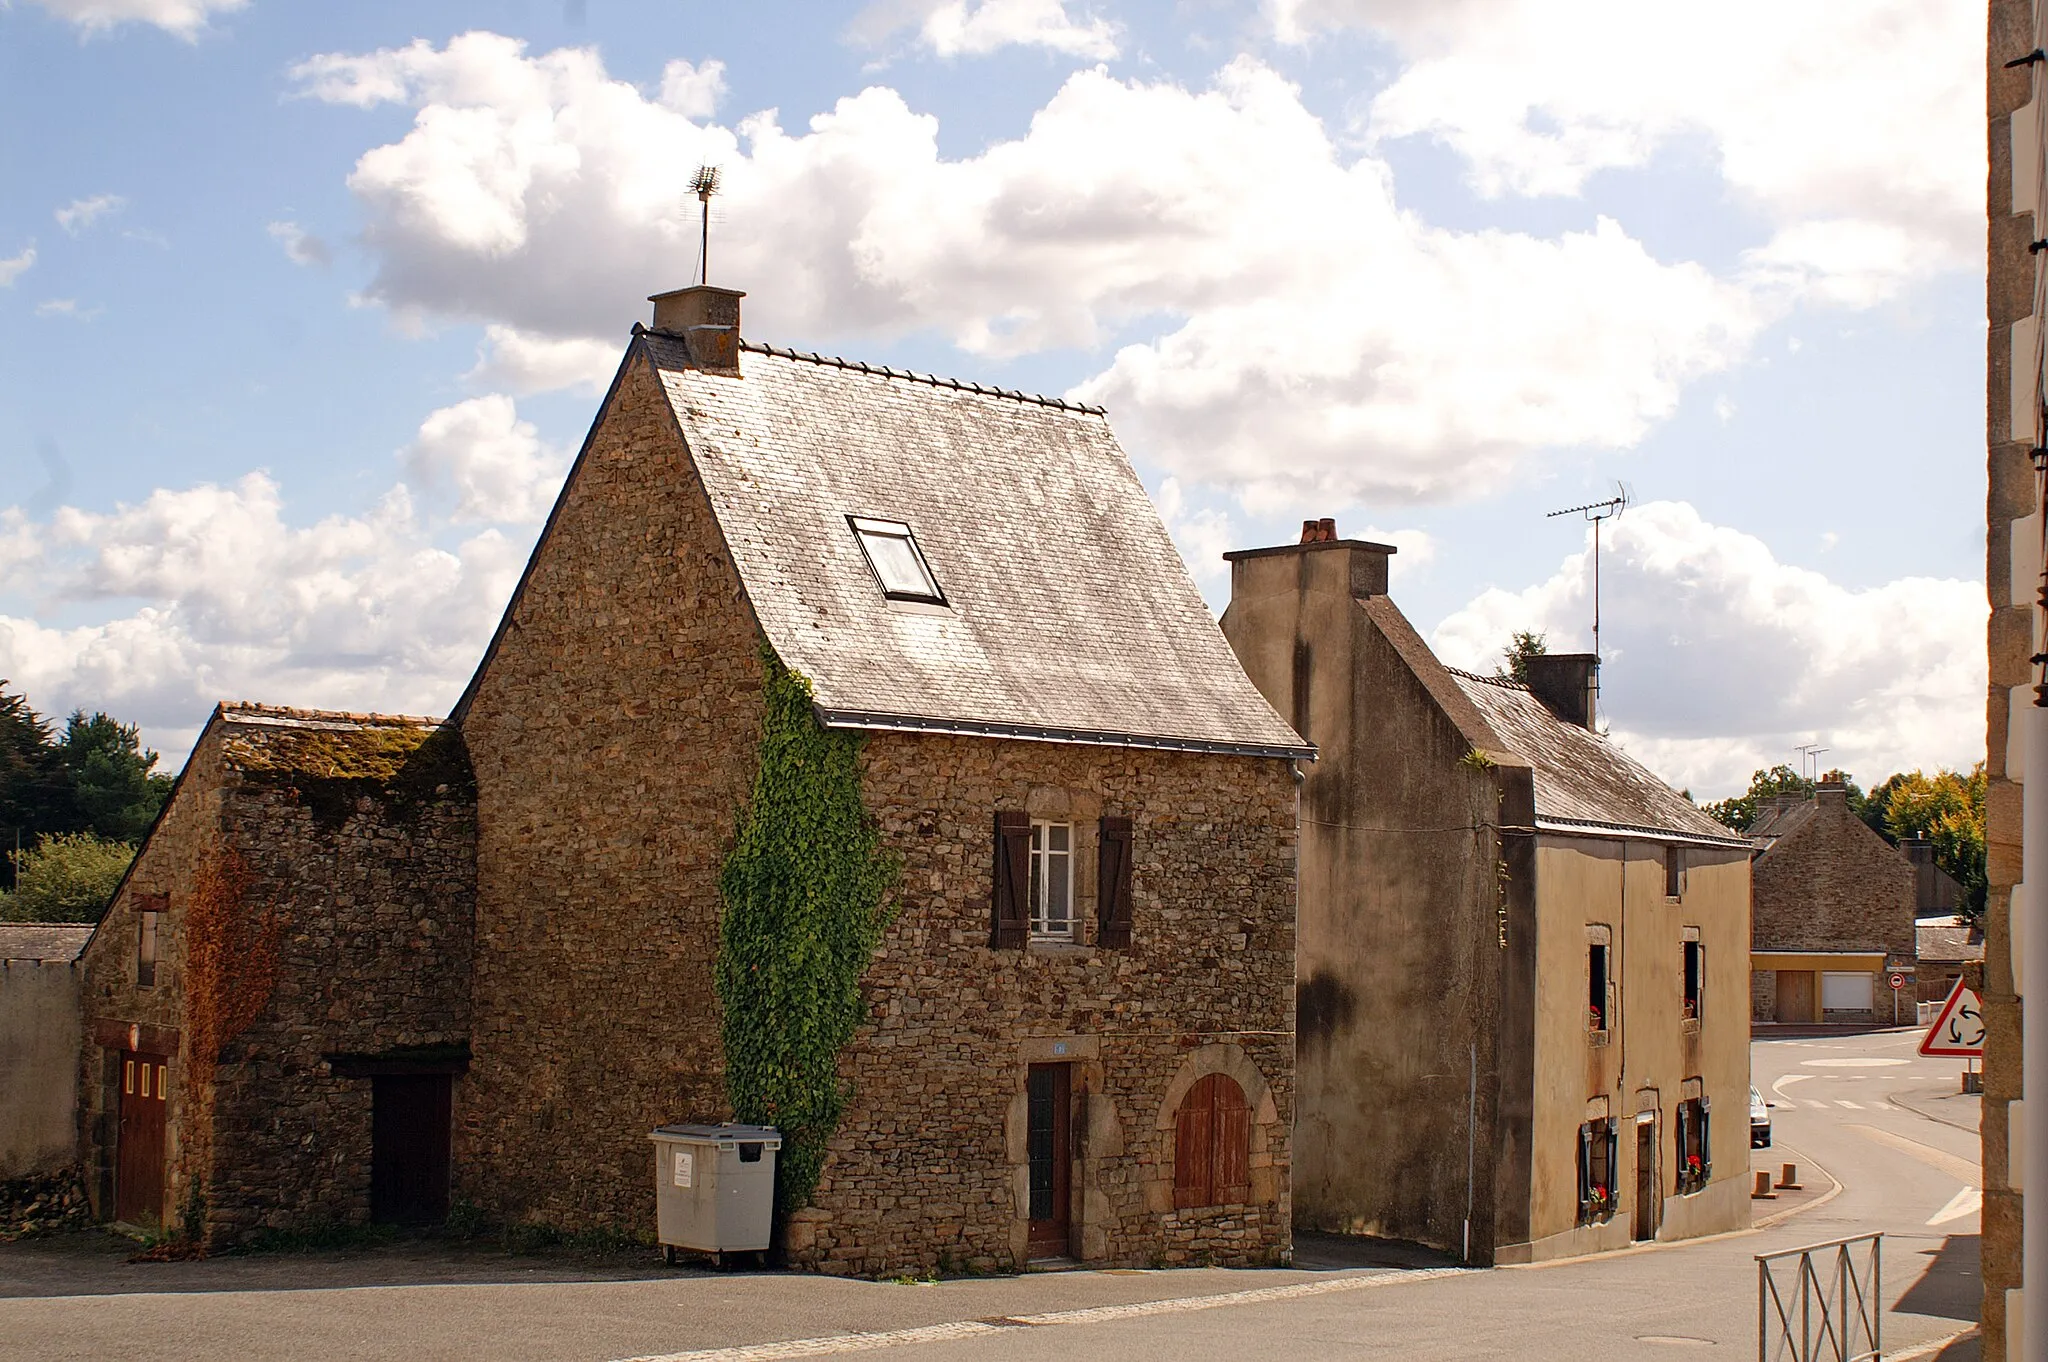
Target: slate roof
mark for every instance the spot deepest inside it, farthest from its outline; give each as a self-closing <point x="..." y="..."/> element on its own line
<point x="59" y="941"/>
<point x="1939" y="939"/>
<point x="1584" y="783"/>
<point x="1778" y="819"/>
<point x="1070" y="615"/>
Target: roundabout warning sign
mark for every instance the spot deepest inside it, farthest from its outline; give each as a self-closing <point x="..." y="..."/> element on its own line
<point x="1958" y="1030"/>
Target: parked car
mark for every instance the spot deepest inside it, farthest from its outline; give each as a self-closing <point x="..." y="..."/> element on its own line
<point x="1759" y="1120"/>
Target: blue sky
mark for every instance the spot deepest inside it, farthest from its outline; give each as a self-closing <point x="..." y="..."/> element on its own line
<point x="304" y="307"/>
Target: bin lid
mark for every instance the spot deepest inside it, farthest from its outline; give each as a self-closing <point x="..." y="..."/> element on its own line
<point x="724" y="1133"/>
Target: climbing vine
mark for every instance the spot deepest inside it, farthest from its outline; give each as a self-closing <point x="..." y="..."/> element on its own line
<point x="803" y="887"/>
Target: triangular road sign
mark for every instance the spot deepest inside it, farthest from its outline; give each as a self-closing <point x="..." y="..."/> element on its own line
<point x="1958" y="1030"/>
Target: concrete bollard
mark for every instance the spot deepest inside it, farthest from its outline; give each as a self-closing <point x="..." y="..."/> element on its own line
<point x="1763" y="1190"/>
<point x="1788" y="1177"/>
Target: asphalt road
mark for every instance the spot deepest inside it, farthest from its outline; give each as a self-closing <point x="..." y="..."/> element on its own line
<point x="1883" y="1123"/>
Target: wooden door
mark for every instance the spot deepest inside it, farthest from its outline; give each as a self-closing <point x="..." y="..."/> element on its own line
<point x="409" y="1138"/>
<point x="139" y="1139"/>
<point x="1049" y="1143"/>
<point x="1796" y="1002"/>
<point x="1646" y="1180"/>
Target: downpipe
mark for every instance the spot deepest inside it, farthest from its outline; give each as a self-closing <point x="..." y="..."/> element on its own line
<point x="2033" y="936"/>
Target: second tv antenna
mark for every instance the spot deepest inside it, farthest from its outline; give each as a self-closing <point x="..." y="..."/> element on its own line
<point x="1597" y="512"/>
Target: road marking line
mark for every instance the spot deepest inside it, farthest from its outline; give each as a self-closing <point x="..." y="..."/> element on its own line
<point x="1780" y="1086"/>
<point x="1969" y="1201"/>
<point x="1961" y="1169"/>
<point x="1817" y="1106"/>
<point x="1845" y="1102"/>
<point x="974" y="1328"/>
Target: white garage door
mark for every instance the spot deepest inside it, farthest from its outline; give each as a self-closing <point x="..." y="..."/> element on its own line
<point x="1845" y="992"/>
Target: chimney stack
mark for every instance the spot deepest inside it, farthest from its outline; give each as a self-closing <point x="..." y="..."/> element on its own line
<point x="706" y="320"/>
<point x="1831" y="794"/>
<point x="1566" y="683"/>
<point x="1362" y="565"/>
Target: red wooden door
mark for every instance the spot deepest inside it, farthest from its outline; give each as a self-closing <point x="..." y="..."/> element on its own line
<point x="1212" y="1137"/>
<point x="1049" y="1141"/>
<point x="139" y="1139"/>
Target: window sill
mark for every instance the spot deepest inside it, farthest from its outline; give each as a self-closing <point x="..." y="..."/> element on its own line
<point x="1057" y="947"/>
<point x="1689" y="1026"/>
<point x="1597" y="1037"/>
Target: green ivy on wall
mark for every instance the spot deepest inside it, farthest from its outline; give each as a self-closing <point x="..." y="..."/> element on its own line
<point x="803" y="890"/>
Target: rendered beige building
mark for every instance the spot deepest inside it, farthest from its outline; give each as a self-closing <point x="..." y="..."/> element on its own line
<point x="1522" y="961"/>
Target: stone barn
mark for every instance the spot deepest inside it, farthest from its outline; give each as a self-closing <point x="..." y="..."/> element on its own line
<point x="1077" y="1022"/>
<point x="276" y="1004"/>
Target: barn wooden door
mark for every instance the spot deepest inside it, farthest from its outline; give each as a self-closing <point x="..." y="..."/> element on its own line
<point x="139" y="1139"/>
<point x="409" y="1138"/>
<point x="1796" y="1001"/>
<point x="1049" y="1139"/>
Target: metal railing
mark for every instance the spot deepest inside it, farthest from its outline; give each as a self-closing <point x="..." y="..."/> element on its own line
<point x="1821" y="1303"/>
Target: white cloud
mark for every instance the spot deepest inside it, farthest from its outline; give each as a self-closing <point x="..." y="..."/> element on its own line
<point x="1720" y="658"/>
<point x="1386" y="358"/>
<point x="182" y="17"/>
<point x="300" y="245"/>
<point x="527" y="363"/>
<point x="1865" y="119"/>
<point x="214" y="596"/>
<point x="79" y="214"/>
<point x="692" y="91"/>
<point x="495" y="463"/>
<point x="13" y="267"/>
<point x="975" y="28"/>
<point x="66" y="307"/>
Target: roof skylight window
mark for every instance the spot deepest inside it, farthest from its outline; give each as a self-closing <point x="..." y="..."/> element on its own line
<point x="897" y="562"/>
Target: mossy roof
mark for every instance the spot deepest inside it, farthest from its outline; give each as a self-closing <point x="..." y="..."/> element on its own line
<point x="271" y="740"/>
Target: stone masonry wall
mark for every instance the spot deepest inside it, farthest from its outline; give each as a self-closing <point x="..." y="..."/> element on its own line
<point x="378" y="914"/>
<point x="614" y="730"/>
<point x="113" y="1000"/>
<point x="927" y="1169"/>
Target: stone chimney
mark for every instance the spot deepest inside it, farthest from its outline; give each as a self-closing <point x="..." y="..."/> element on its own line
<point x="1832" y="794"/>
<point x="707" y="320"/>
<point x="1918" y="849"/>
<point x="1567" y="684"/>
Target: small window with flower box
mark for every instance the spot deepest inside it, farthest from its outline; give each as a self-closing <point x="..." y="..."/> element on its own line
<point x="1693" y="970"/>
<point x="1599" y="984"/>
<point x="1695" y="1146"/>
<point x="1599" y="1155"/>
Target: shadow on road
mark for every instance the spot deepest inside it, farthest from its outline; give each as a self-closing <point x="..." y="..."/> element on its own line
<point x="1948" y="1285"/>
<point x="1337" y="1252"/>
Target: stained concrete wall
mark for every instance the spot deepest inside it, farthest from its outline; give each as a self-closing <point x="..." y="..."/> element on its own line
<point x="1405" y="942"/>
<point x="39" y="1038"/>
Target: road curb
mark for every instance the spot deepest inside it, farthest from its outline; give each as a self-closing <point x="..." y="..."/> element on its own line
<point x="1938" y="1120"/>
<point x="1933" y="1347"/>
<point x="1780" y="1217"/>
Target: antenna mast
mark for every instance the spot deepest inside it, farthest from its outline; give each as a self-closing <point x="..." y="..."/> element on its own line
<point x="704" y="184"/>
<point x="1598" y="511"/>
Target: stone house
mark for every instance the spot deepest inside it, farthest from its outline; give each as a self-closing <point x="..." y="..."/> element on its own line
<point x="276" y="1003"/>
<point x="39" y="1036"/>
<point x="1521" y="988"/>
<point x="1834" y="914"/>
<point x="1080" y="1018"/>
<point x="1947" y="948"/>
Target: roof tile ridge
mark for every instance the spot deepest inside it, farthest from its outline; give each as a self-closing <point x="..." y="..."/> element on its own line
<point x="912" y="376"/>
<point x="1504" y="682"/>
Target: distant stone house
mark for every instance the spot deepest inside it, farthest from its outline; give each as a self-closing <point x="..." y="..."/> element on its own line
<point x="39" y="1036"/>
<point x="1081" y="1017"/>
<point x="1834" y="914"/>
<point x="277" y="1001"/>
<point x="1522" y="1027"/>
<point x="1947" y="948"/>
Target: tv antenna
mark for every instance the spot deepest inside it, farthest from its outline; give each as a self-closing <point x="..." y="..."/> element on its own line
<point x="1810" y="752"/>
<point x="1597" y="512"/>
<point x="704" y="184"/>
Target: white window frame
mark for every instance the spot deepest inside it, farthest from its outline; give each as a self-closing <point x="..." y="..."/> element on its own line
<point x="1051" y="866"/>
<point x="867" y="529"/>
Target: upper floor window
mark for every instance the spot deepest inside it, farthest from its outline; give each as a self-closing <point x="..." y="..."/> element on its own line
<point x="1598" y="1003"/>
<point x="145" y="949"/>
<point x="1695" y="980"/>
<point x="1674" y="872"/>
<point x="1052" y="880"/>
<point x="896" y="560"/>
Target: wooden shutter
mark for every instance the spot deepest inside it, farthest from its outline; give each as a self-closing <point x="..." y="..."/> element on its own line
<point x="1194" y="1136"/>
<point x="1113" y="884"/>
<point x="1010" y="926"/>
<point x="1233" y="1144"/>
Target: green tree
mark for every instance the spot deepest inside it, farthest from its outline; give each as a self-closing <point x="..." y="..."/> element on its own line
<point x="31" y="778"/>
<point x="1947" y="808"/>
<point x="1740" y="811"/>
<point x="68" y="877"/>
<point x="114" y="787"/>
<point x="1521" y="647"/>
